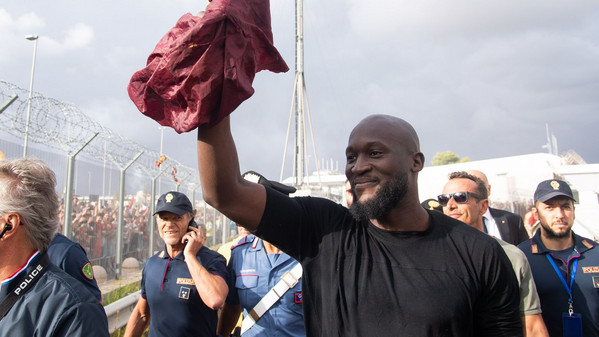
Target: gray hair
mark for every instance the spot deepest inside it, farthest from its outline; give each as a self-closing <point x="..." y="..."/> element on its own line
<point x="28" y="187"/>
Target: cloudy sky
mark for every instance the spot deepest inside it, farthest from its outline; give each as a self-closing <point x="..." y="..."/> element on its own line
<point x="482" y="79"/>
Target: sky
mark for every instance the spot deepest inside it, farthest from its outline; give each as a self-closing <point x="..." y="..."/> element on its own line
<point x="482" y="79"/>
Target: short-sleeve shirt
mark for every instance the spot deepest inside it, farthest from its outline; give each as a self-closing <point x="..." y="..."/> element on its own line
<point x="529" y="299"/>
<point x="554" y="296"/>
<point x="176" y="308"/>
<point x="360" y="280"/>
<point x="252" y="273"/>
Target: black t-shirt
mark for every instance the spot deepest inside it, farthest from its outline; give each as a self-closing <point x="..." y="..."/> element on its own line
<point x="359" y="280"/>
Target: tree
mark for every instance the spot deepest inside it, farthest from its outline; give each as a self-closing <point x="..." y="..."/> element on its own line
<point x="448" y="157"/>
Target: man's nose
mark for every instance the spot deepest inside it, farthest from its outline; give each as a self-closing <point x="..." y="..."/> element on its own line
<point x="361" y="164"/>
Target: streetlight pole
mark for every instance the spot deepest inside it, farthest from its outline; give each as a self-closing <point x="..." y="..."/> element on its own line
<point x="34" y="39"/>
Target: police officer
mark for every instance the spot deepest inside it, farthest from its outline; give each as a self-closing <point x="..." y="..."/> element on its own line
<point x="183" y="285"/>
<point x="255" y="268"/>
<point x="37" y="298"/>
<point x="565" y="266"/>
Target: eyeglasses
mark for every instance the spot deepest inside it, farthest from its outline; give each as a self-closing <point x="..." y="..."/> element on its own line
<point x="458" y="197"/>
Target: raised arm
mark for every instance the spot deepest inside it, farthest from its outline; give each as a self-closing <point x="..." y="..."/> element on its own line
<point x="212" y="288"/>
<point x="222" y="185"/>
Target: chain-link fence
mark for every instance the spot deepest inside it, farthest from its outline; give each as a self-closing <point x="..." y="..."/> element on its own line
<point x="108" y="183"/>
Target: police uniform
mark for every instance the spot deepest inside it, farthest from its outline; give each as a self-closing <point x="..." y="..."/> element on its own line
<point x="71" y="258"/>
<point x="553" y="295"/>
<point x="56" y="305"/>
<point x="175" y="304"/>
<point x="252" y="274"/>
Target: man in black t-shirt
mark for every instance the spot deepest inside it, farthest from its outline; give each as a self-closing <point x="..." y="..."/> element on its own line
<point x="386" y="266"/>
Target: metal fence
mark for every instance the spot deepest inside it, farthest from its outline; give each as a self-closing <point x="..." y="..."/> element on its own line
<point x="110" y="182"/>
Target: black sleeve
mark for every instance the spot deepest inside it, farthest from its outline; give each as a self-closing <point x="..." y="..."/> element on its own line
<point x="498" y="306"/>
<point x="522" y="233"/>
<point x="297" y="225"/>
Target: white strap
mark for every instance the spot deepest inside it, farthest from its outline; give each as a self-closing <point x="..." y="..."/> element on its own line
<point x="288" y="281"/>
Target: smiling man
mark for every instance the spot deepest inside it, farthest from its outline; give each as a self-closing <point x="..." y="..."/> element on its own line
<point x="465" y="198"/>
<point x="565" y="265"/>
<point x="184" y="285"/>
<point x="387" y="267"/>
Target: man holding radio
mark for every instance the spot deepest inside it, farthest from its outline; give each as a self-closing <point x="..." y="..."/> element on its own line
<point x="183" y="285"/>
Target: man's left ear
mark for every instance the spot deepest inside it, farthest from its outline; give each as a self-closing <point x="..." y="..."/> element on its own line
<point x="14" y="219"/>
<point x="417" y="161"/>
<point x="484" y="205"/>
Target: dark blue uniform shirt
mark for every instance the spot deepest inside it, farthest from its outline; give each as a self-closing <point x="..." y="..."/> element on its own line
<point x="176" y="308"/>
<point x="553" y="294"/>
<point x="252" y="274"/>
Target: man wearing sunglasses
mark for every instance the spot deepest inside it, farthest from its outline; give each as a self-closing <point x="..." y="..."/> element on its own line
<point x="465" y="198"/>
<point x="384" y="267"/>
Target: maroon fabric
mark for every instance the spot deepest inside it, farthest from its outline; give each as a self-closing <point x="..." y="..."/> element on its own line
<point x="203" y="68"/>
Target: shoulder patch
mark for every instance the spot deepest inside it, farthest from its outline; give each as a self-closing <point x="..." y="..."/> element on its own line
<point x="88" y="271"/>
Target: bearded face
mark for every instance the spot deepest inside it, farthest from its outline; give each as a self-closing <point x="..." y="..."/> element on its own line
<point x="382" y="202"/>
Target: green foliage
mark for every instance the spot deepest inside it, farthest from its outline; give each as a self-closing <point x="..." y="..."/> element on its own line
<point x="119" y="293"/>
<point x="447" y="157"/>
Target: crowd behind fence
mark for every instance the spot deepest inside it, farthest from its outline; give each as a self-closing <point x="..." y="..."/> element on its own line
<point x="107" y="182"/>
<point x="94" y="227"/>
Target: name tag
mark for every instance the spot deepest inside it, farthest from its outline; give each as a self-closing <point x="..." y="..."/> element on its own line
<point x="572" y="325"/>
<point x="186" y="281"/>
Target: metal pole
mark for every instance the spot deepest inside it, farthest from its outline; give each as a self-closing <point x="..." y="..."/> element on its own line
<point x="151" y="218"/>
<point x="8" y="103"/>
<point x="119" y="229"/>
<point x="300" y="150"/>
<point x="30" y="38"/>
<point x="161" y="143"/>
<point x="68" y="198"/>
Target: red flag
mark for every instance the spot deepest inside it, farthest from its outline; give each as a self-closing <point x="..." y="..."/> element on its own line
<point x="203" y="68"/>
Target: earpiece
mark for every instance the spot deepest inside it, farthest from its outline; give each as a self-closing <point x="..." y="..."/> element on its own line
<point x="7" y="227"/>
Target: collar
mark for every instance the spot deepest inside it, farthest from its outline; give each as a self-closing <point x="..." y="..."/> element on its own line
<point x="32" y="259"/>
<point x="580" y="243"/>
<point x="164" y="255"/>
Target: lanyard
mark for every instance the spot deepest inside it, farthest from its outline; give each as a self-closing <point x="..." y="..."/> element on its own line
<point x="561" y="277"/>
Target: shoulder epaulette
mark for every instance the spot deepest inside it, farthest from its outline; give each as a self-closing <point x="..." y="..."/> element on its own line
<point x="587" y="244"/>
<point x="244" y="240"/>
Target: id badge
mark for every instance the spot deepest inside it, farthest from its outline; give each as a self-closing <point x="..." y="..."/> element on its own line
<point x="572" y="325"/>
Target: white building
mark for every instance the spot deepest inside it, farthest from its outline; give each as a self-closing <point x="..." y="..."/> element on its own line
<point x="513" y="182"/>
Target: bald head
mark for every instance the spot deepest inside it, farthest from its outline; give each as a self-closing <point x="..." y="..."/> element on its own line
<point x="482" y="177"/>
<point x="390" y="127"/>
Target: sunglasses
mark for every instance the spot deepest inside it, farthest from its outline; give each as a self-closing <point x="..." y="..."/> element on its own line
<point x="458" y="197"/>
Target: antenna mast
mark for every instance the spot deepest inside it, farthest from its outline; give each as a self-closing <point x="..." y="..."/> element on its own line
<point x="300" y="149"/>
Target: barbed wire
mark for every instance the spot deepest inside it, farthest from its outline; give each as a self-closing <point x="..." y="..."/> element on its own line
<point x="64" y="126"/>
